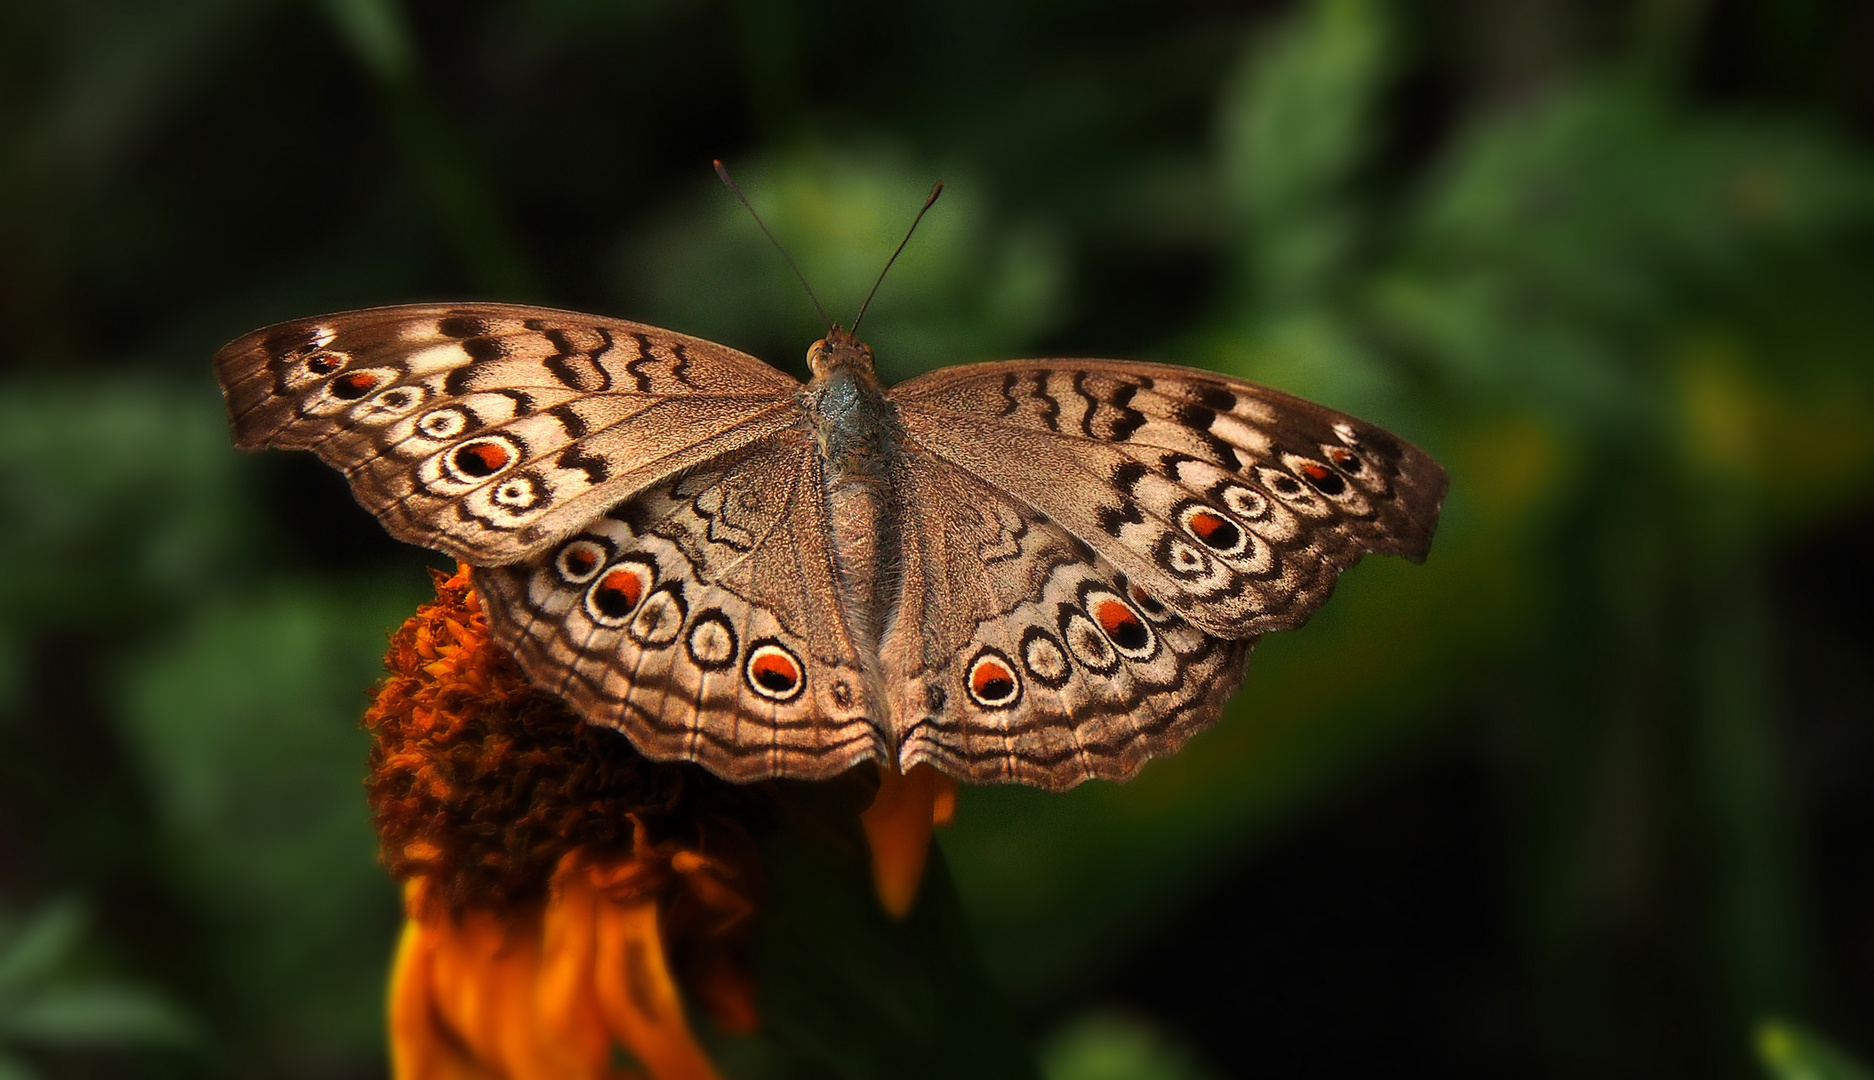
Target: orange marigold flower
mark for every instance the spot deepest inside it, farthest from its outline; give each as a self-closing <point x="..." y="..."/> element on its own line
<point x="559" y="887"/>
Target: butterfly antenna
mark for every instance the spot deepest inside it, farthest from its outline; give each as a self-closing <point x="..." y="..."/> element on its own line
<point x="723" y="171"/>
<point x="936" y="190"/>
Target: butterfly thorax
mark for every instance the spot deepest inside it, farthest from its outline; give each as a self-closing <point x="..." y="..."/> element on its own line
<point x="858" y="440"/>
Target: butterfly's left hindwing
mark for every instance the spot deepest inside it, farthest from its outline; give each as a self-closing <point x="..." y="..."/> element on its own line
<point x="489" y="431"/>
<point x="1022" y="655"/>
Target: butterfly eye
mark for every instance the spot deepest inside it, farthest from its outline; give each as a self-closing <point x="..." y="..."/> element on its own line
<point x="774" y="672"/>
<point x="992" y="682"/>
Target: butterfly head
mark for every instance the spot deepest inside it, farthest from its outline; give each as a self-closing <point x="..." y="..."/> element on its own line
<point x="839" y="349"/>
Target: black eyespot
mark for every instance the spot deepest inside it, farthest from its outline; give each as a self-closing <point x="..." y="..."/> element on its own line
<point x="1324" y="480"/>
<point x="356" y="385"/>
<point x="479" y="459"/>
<point x="774" y="672"/>
<point x="992" y="682"/>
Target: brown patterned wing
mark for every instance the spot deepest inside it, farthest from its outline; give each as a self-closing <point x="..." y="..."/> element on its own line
<point x="1022" y="654"/>
<point x="700" y="616"/>
<point x="491" y="431"/>
<point x="1234" y="505"/>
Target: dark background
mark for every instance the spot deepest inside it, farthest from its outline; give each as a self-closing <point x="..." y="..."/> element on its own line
<point x="1588" y="794"/>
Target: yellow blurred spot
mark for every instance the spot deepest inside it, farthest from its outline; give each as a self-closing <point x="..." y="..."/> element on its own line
<point x="1722" y="414"/>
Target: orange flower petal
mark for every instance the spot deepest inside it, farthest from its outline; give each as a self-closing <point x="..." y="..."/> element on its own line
<point x="420" y="1047"/>
<point x="563" y="993"/>
<point x="898" y="827"/>
<point x="638" y="997"/>
<point x="944" y="808"/>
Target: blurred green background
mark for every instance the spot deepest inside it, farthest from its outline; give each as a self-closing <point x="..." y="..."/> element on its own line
<point x="1589" y="794"/>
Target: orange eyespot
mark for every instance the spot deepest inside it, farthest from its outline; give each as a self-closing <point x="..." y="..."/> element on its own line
<point x="482" y="458"/>
<point x="992" y="682"/>
<point x="580" y="559"/>
<point x="356" y="385"/>
<point x="774" y="672"/>
<point x="1213" y="530"/>
<point x="1207" y="525"/>
<point x="1323" y="478"/>
<point x="1121" y="625"/>
<point x="618" y="592"/>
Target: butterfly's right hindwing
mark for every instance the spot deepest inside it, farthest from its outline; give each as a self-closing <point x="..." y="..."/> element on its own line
<point x="489" y="431"/>
<point x="700" y="617"/>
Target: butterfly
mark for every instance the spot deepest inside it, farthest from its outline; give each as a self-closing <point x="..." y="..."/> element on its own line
<point x="1037" y="571"/>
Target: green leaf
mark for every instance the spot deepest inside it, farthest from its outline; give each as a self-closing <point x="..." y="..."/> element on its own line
<point x="375" y="31"/>
<point x="78" y="457"/>
<point x="1790" y="1052"/>
<point x="1114" y="1046"/>
<point x="849" y="992"/>
<point x="1296" y="125"/>
<point x="245" y="725"/>
<point x="100" y="1014"/>
<point x="12" y="1068"/>
<point x="42" y="946"/>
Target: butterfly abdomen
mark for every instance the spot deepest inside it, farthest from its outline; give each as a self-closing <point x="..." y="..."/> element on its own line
<point x="858" y="439"/>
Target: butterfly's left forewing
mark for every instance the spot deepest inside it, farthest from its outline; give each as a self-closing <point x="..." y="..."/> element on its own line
<point x="489" y="431"/>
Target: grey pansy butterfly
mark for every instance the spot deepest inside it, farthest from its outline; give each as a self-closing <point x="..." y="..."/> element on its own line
<point x="1037" y="571"/>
